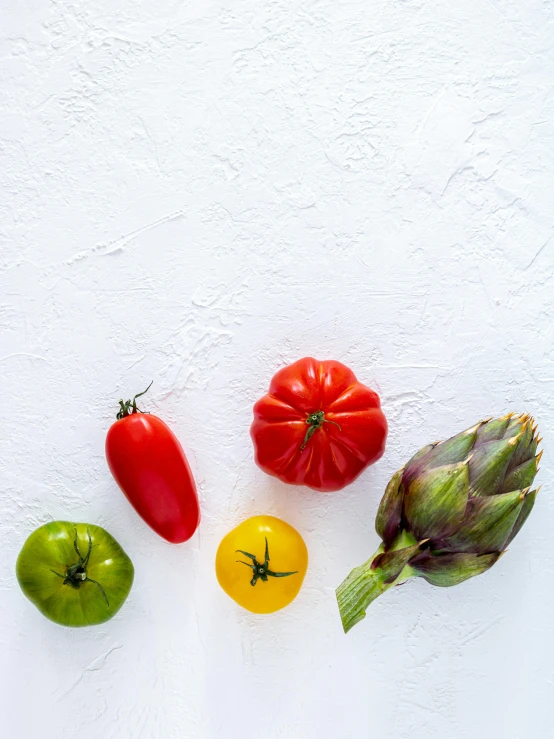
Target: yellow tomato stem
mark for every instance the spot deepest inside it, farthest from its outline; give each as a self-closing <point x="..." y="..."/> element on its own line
<point x="261" y="571"/>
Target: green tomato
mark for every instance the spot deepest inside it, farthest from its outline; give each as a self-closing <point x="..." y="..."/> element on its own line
<point x="76" y="574"/>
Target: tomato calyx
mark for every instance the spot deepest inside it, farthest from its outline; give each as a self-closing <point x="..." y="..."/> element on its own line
<point x="128" y="407"/>
<point x="76" y="574"/>
<point x="261" y="570"/>
<point x="315" y="421"/>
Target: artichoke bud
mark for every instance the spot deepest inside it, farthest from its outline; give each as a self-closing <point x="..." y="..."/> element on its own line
<point x="463" y="500"/>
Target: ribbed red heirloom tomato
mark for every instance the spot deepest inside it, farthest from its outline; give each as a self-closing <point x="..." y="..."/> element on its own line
<point x="318" y="426"/>
<point x="149" y="465"/>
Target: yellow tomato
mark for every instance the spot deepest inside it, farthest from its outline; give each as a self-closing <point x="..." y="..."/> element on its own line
<point x="261" y="564"/>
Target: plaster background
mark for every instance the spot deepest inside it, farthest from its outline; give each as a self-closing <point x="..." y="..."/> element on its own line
<point x="198" y="193"/>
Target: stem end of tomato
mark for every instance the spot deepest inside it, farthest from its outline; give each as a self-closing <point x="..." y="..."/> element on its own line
<point x="128" y="407"/>
<point x="315" y="421"/>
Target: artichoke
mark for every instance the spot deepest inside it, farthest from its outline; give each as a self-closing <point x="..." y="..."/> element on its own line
<point x="450" y="512"/>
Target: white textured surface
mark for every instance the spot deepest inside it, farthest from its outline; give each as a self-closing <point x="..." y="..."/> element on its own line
<point x="197" y="193"/>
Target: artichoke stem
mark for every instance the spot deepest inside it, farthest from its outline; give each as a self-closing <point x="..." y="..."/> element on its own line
<point x="367" y="582"/>
<point x="362" y="586"/>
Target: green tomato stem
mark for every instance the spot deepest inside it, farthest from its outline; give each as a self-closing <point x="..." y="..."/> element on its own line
<point x="77" y="574"/>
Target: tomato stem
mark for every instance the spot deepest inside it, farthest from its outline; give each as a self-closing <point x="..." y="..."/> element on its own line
<point x="261" y="571"/>
<point x="77" y="574"/>
<point x="315" y="421"/>
<point x="128" y="407"/>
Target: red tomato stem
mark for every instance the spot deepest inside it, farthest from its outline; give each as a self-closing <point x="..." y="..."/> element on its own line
<point x="315" y="421"/>
<point x="128" y="407"/>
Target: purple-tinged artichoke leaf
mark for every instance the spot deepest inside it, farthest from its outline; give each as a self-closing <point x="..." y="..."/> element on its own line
<point x="523" y="450"/>
<point x="515" y="426"/>
<point x="452" y="450"/>
<point x="488" y="523"/>
<point x="435" y="501"/>
<point x="526" y="509"/>
<point x="390" y="564"/>
<point x="523" y="454"/>
<point x="491" y="430"/>
<point x="415" y="463"/>
<point x="418" y="456"/>
<point x="445" y="570"/>
<point x="488" y="465"/>
<point x="389" y="515"/>
<point x="520" y="477"/>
